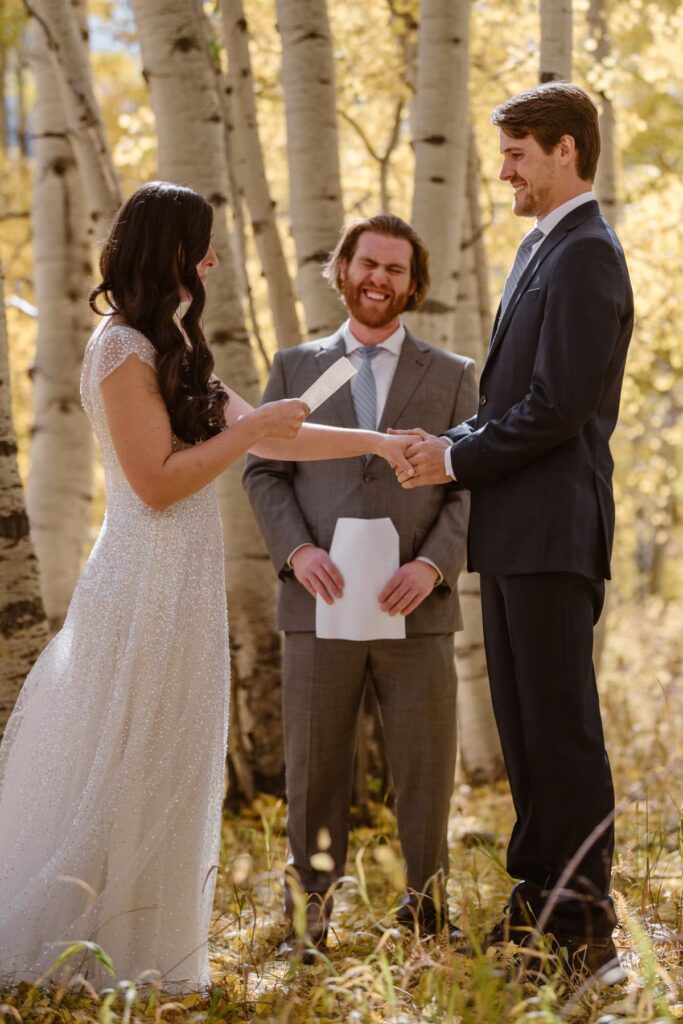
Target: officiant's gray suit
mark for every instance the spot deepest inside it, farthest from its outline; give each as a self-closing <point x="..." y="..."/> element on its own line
<point x="414" y="679"/>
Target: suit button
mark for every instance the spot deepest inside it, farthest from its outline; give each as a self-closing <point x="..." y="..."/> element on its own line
<point x="368" y="478"/>
<point x="483" y="400"/>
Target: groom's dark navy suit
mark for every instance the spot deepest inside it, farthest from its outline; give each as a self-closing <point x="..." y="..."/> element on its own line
<point x="536" y="459"/>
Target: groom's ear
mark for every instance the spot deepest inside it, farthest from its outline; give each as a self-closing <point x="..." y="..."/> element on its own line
<point x="343" y="270"/>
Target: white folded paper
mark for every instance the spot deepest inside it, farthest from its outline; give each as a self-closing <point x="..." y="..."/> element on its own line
<point x="328" y="382"/>
<point x="366" y="553"/>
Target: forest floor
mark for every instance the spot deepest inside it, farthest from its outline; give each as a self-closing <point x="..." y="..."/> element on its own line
<point x="373" y="973"/>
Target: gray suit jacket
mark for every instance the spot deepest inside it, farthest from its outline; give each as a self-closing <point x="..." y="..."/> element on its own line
<point x="299" y="502"/>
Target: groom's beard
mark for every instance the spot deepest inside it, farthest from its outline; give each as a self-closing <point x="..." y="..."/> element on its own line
<point x="368" y="313"/>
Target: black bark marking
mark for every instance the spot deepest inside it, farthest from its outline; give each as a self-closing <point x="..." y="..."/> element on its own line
<point x="316" y="257"/>
<point x="14" y="526"/>
<point x="185" y="44"/>
<point x="20" y="615"/>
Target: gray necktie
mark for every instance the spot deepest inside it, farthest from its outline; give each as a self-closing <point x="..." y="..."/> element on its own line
<point x="519" y="266"/>
<point x="365" y="390"/>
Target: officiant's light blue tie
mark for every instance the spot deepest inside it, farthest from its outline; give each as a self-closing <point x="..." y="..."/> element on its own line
<point x="519" y="266"/>
<point x="365" y="390"/>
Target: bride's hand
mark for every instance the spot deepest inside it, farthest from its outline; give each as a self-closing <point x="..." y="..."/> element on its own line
<point x="281" y="420"/>
<point x="392" y="447"/>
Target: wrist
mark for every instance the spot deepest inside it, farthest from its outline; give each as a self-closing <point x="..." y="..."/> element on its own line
<point x="255" y="425"/>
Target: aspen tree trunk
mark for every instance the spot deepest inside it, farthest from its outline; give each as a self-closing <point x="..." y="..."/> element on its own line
<point x="4" y="139"/>
<point x="440" y="137"/>
<point x="235" y="200"/>
<point x="556" y="41"/>
<point x="21" y="100"/>
<point x="23" y="629"/>
<point x="66" y="41"/>
<point x="473" y="317"/>
<point x="606" y="190"/>
<point x="479" y="750"/>
<point x="250" y="174"/>
<point x="308" y="83"/>
<point x="606" y="178"/>
<point x="191" y="136"/>
<point x="60" y="481"/>
<point x="481" y="758"/>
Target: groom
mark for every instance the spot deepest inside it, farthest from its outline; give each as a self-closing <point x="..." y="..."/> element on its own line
<point x="380" y="268"/>
<point x="537" y="462"/>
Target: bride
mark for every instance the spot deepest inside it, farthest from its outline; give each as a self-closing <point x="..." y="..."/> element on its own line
<point x="111" y="769"/>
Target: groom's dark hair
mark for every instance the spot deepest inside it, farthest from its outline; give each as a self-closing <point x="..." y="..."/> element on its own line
<point x="382" y="224"/>
<point x="548" y="112"/>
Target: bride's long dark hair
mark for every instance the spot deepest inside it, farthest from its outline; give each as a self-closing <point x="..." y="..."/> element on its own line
<point x="157" y="239"/>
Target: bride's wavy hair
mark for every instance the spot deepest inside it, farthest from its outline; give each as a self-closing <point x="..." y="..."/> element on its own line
<point x="157" y="239"/>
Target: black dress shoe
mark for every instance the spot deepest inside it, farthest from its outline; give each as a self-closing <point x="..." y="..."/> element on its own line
<point x="591" y="958"/>
<point x="518" y="923"/>
<point x="459" y="942"/>
<point x="414" y="912"/>
<point x="510" y="928"/>
<point x="305" y="949"/>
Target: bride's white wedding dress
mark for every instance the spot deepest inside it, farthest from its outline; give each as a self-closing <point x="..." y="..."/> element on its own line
<point x="111" y="771"/>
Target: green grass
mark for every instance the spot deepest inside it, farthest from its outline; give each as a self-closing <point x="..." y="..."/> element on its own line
<point x="375" y="973"/>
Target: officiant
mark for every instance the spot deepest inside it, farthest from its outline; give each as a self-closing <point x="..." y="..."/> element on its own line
<point x="403" y="641"/>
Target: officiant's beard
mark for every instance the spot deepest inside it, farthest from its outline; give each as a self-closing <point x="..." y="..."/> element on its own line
<point x="363" y="310"/>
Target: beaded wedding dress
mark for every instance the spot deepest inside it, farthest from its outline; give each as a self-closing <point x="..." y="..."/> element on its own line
<point x="111" y="771"/>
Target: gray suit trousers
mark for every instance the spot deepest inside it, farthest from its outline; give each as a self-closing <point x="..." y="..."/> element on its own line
<point x="415" y="683"/>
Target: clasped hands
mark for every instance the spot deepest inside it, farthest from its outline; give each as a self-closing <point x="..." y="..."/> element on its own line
<point x="425" y="454"/>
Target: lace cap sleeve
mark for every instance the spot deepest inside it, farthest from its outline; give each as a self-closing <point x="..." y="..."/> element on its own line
<point x="113" y="347"/>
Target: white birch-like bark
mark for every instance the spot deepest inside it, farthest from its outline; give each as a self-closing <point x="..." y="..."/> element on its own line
<point x="250" y="174"/>
<point x="480" y="754"/>
<point x="606" y="189"/>
<point x="440" y="137"/>
<point x="479" y="751"/>
<point x="191" y="138"/>
<point x="308" y="83"/>
<point x="606" y="178"/>
<point x="63" y="24"/>
<point x="473" y="317"/>
<point x="3" y="103"/>
<point x="60" y="481"/>
<point x="23" y="629"/>
<point x="556" y="41"/>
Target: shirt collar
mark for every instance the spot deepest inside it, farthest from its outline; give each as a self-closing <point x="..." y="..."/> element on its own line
<point x="393" y="343"/>
<point x="547" y="223"/>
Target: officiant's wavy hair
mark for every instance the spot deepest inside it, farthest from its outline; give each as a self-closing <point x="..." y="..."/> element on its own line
<point x="548" y="112"/>
<point x="382" y="224"/>
<point x="157" y="239"/>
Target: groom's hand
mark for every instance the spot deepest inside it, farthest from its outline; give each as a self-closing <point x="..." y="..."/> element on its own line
<point x="408" y="588"/>
<point x="316" y="571"/>
<point x="426" y="456"/>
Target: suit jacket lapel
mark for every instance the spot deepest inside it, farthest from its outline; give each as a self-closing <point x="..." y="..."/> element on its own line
<point x="328" y="354"/>
<point x="412" y="366"/>
<point x="559" y="232"/>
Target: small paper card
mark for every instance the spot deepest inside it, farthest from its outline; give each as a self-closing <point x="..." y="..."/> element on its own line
<point x="366" y="553"/>
<point x="328" y="382"/>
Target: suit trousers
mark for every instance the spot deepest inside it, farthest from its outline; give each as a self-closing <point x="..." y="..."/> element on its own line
<point x="538" y="632"/>
<point x="323" y="684"/>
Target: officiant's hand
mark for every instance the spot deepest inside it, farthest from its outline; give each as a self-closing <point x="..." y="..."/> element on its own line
<point x="316" y="571"/>
<point x="426" y="456"/>
<point x="408" y="587"/>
